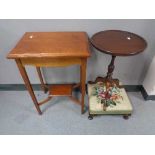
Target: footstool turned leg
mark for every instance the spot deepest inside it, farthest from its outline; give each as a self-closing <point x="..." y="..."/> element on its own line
<point x="90" y="117"/>
<point x="126" y="116"/>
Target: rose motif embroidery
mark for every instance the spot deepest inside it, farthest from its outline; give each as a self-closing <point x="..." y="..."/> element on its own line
<point x="108" y="94"/>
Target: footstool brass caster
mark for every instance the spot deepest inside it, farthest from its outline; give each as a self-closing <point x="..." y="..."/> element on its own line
<point x="126" y="117"/>
<point x="90" y="117"/>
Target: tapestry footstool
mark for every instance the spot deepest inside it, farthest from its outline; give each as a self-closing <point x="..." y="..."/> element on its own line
<point x="108" y="100"/>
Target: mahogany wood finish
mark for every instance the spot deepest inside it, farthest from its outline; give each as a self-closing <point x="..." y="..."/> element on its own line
<point x="117" y="43"/>
<point x="111" y="68"/>
<point x="52" y="49"/>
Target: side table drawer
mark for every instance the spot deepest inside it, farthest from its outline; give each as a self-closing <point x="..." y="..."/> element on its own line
<point x="51" y="62"/>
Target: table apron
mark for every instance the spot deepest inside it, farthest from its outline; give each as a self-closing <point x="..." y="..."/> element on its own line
<point x="51" y="62"/>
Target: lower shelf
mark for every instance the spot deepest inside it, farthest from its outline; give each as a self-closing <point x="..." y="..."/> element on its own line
<point x="61" y="90"/>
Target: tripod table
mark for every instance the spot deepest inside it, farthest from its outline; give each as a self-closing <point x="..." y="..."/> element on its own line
<point x="117" y="43"/>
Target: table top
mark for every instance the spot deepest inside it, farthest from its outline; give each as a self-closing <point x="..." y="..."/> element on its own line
<point x="51" y="44"/>
<point x="118" y="43"/>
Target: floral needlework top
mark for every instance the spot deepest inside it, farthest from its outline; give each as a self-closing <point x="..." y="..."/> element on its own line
<point x="108" y="94"/>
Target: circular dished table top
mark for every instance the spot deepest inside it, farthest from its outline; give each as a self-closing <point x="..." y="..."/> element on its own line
<point x="118" y="43"/>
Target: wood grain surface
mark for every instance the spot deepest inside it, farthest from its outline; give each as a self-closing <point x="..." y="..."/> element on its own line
<point x="51" y="44"/>
<point x="118" y="43"/>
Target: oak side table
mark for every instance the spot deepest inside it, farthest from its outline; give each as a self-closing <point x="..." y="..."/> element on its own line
<point x="52" y="49"/>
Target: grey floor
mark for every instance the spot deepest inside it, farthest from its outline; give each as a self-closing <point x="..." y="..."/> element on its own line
<point x="61" y="116"/>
